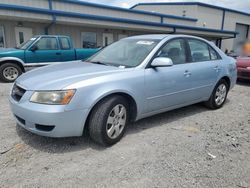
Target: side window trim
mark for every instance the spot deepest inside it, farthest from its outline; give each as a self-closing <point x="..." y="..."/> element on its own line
<point x="188" y="51"/>
<point x="155" y="55"/>
<point x="217" y="54"/>
<point x="47" y="37"/>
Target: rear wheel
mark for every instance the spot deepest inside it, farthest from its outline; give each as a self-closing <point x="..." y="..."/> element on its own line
<point x="9" y="72"/>
<point x="108" y="120"/>
<point x="219" y="95"/>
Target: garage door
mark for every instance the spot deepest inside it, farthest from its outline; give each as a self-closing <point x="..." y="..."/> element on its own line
<point x="241" y="37"/>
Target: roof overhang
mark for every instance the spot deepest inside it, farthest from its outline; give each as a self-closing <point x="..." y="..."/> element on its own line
<point x="114" y="22"/>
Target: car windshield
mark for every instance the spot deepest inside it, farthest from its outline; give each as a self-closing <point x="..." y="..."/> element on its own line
<point x="126" y="52"/>
<point x="26" y="44"/>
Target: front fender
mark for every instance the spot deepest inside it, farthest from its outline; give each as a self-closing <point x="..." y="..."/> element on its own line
<point x="17" y="60"/>
<point x="12" y="59"/>
<point x="88" y="96"/>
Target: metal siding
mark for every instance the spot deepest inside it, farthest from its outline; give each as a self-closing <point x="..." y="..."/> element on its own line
<point x="110" y="24"/>
<point x="212" y="17"/>
<point x="24" y="16"/>
<point x="102" y="12"/>
<point x="170" y="9"/>
<point x="29" y="3"/>
<point x="74" y="24"/>
<point x="231" y="18"/>
<point x="179" y="22"/>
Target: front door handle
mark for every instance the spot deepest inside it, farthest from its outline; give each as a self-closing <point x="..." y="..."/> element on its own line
<point x="187" y="73"/>
<point x="217" y="68"/>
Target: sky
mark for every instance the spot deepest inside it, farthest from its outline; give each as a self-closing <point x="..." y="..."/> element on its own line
<point x="242" y="5"/>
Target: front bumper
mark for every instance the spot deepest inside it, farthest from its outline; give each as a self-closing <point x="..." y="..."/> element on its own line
<point x="243" y="73"/>
<point x="48" y="120"/>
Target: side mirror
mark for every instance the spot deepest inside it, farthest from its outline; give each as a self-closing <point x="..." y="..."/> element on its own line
<point x="33" y="48"/>
<point x="162" y="62"/>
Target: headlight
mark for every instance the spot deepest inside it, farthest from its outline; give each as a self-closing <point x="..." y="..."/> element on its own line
<point x="52" y="97"/>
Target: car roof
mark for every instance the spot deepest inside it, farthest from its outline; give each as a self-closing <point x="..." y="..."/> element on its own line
<point x="152" y="37"/>
<point x="51" y="36"/>
<point x="161" y="36"/>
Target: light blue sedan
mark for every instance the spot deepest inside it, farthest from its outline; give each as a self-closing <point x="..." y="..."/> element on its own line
<point x="129" y="80"/>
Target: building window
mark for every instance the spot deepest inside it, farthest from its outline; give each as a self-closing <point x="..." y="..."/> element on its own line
<point x="2" y="37"/>
<point x="89" y="40"/>
<point x="21" y="37"/>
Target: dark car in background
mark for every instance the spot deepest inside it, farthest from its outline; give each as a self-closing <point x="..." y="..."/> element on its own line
<point x="243" y="67"/>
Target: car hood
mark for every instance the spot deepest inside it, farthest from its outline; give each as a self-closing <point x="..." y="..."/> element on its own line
<point x="57" y="77"/>
<point x="243" y="62"/>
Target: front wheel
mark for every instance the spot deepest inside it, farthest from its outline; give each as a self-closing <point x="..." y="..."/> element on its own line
<point x="219" y="95"/>
<point x="108" y="120"/>
<point x="9" y="72"/>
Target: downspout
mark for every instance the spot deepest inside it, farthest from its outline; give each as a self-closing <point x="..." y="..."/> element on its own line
<point x="46" y="30"/>
<point x="174" y="31"/>
<point x="219" y="41"/>
<point x="223" y="20"/>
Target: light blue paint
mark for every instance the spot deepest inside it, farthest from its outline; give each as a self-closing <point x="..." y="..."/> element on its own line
<point x="154" y="89"/>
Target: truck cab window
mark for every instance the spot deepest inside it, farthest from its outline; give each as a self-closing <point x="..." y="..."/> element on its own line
<point x="65" y="44"/>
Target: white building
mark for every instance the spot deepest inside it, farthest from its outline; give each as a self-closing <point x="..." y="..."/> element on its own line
<point x="92" y="25"/>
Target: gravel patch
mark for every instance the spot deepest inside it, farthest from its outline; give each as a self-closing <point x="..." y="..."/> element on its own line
<point x="188" y="147"/>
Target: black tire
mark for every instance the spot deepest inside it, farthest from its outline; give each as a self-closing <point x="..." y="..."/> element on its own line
<point x="99" y="117"/>
<point x="13" y="66"/>
<point x="211" y="103"/>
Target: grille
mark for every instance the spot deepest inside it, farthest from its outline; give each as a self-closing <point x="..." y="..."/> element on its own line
<point x="17" y="92"/>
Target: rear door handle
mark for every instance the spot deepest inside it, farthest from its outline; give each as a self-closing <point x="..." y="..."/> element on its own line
<point x="217" y="68"/>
